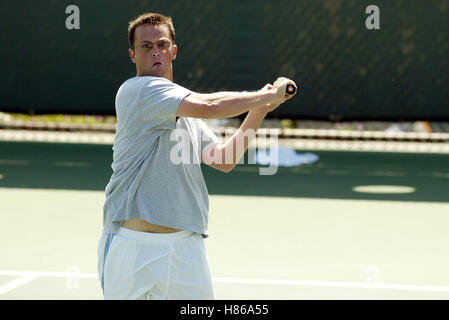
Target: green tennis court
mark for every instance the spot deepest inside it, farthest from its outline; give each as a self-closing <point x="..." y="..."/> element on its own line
<point x="353" y="225"/>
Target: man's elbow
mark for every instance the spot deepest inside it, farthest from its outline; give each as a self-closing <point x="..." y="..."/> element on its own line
<point x="226" y="168"/>
<point x="215" y="157"/>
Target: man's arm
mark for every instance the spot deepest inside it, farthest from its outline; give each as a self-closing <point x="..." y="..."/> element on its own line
<point x="224" y="157"/>
<point x="231" y="104"/>
<point x="222" y="104"/>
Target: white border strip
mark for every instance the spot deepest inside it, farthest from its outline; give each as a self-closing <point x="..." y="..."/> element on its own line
<point x="57" y="137"/>
<point x="27" y="276"/>
<point x="295" y="143"/>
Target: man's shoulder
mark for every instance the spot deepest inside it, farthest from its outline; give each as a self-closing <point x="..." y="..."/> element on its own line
<point x="148" y="82"/>
<point x="140" y="81"/>
<point x="148" y="79"/>
<point x="136" y="84"/>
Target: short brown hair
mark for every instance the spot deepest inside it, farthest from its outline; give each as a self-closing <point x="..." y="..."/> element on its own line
<point x="150" y="18"/>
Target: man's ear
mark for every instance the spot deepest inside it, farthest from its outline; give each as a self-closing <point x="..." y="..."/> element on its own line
<point x="175" y="51"/>
<point x="132" y="55"/>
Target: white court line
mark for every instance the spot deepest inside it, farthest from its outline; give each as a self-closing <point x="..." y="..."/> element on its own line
<point x="48" y="274"/>
<point x="31" y="275"/>
<point x="17" y="282"/>
<point x="334" y="284"/>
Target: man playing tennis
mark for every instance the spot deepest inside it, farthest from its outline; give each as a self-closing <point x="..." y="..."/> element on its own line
<point x="156" y="212"/>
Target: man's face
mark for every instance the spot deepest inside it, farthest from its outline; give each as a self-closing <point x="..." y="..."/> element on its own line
<point x="150" y="57"/>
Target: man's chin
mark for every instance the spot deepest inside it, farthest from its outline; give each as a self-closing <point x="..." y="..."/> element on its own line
<point x="155" y="71"/>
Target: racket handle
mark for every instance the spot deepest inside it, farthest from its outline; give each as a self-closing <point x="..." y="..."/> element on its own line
<point x="291" y="89"/>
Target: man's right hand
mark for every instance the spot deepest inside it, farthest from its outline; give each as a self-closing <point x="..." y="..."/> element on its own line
<point x="280" y="86"/>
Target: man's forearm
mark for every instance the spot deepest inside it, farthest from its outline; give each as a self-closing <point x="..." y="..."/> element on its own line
<point x="235" y="147"/>
<point x="228" y="104"/>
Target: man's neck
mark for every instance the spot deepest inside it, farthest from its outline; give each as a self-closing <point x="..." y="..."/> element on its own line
<point x="170" y="78"/>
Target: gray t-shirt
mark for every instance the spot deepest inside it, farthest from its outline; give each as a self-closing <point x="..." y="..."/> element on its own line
<point x="148" y="181"/>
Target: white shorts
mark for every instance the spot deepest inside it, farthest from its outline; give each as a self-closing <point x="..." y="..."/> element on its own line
<point x="142" y="265"/>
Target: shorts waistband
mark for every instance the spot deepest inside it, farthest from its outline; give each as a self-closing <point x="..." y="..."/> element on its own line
<point x="151" y="238"/>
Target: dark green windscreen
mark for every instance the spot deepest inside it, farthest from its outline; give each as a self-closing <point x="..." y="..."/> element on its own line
<point x="344" y="70"/>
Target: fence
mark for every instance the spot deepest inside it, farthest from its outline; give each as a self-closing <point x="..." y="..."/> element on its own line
<point x="345" y="71"/>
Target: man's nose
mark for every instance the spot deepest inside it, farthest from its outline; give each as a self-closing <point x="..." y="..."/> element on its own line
<point x="156" y="51"/>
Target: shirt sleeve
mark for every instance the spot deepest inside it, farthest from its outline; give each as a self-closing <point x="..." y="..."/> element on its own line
<point x="159" y="102"/>
<point x="207" y="139"/>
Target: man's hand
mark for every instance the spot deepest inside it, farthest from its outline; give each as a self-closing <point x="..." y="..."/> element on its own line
<point x="280" y="85"/>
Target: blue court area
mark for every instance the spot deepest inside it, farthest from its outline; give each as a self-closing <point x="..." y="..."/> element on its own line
<point x="353" y="225"/>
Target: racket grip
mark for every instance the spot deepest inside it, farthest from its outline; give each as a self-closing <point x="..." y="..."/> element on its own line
<point x="290" y="89"/>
